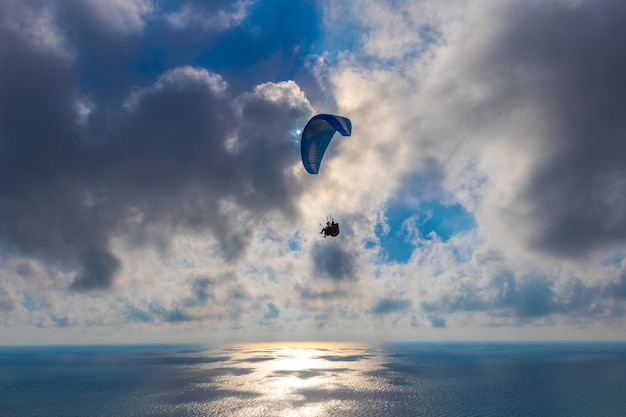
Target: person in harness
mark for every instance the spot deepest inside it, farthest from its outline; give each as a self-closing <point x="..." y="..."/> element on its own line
<point x="331" y="229"/>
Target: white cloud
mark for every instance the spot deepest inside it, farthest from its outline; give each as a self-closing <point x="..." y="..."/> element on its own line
<point x="123" y="16"/>
<point x="285" y="92"/>
<point x="179" y="79"/>
<point x="37" y="26"/>
<point x="191" y="15"/>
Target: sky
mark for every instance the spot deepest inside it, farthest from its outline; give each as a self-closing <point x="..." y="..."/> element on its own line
<point x="151" y="187"/>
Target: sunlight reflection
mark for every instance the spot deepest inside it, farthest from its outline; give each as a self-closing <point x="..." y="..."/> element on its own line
<point x="291" y="379"/>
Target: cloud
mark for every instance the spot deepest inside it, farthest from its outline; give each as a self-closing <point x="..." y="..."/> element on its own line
<point x="272" y="312"/>
<point x="6" y="301"/>
<point x="153" y="152"/>
<point x="437" y="322"/>
<point x="125" y="16"/>
<point x="98" y="270"/>
<point x="530" y="296"/>
<point x="213" y="18"/>
<point x="309" y="294"/>
<point x="35" y="24"/>
<point x="201" y="291"/>
<point x="526" y="297"/>
<point x="332" y="260"/>
<point x="175" y="316"/>
<point x="391" y="305"/>
<point x="574" y="75"/>
<point x="160" y="162"/>
<point x="518" y="109"/>
<point x="618" y="289"/>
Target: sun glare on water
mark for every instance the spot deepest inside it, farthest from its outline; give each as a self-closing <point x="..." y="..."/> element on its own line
<point x="295" y="378"/>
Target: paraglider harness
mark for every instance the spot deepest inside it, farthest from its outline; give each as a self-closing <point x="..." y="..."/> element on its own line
<point x="331" y="229"/>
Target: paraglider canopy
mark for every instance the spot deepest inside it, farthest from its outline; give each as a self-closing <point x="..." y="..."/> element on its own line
<point x="316" y="136"/>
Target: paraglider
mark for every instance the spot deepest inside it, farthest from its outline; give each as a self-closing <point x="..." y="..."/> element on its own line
<point x="331" y="229"/>
<point x="316" y="137"/>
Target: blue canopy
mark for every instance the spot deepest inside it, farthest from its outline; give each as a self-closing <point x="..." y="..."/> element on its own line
<point x="316" y="136"/>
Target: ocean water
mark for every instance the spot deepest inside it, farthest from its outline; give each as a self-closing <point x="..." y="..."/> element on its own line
<point x="316" y="379"/>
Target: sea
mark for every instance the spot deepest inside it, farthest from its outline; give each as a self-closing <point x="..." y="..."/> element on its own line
<point x="316" y="379"/>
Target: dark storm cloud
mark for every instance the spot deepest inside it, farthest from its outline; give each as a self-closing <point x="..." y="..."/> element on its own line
<point x="160" y="163"/>
<point x="332" y="260"/>
<point x="568" y="61"/>
<point x="391" y="305"/>
<point x="41" y="159"/>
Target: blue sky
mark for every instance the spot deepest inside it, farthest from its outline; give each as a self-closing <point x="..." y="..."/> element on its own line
<point x="151" y="188"/>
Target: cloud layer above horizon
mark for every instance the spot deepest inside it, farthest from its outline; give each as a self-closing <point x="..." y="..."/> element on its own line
<point x="151" y="185"/>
